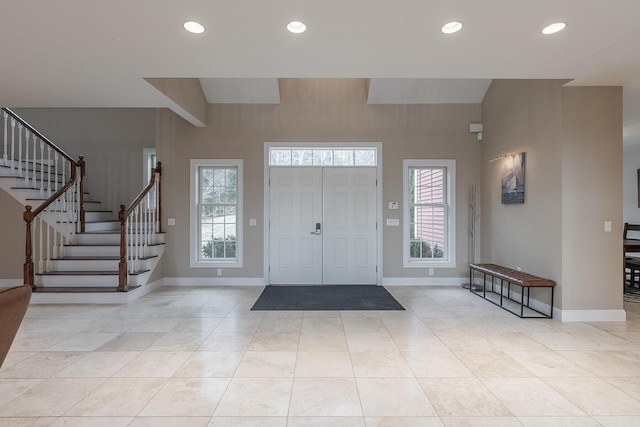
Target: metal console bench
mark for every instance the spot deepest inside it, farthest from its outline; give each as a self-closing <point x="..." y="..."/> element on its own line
<point x="512" y="277"/>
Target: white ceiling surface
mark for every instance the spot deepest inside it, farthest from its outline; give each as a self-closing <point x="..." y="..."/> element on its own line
<point x="71" y="53"/>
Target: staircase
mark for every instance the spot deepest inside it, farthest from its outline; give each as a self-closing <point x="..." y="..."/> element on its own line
<point x="74" y="245"/>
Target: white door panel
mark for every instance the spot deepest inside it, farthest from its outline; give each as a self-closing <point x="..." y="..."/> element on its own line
<point x="295" y="200"/>
<point x="350" y="238"/>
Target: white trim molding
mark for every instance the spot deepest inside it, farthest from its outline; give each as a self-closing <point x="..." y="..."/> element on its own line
<point x="590" y="315"/>
<point x="194" y="238"/>
<point x="424" y="281"/>
<point x="214" y="281"/>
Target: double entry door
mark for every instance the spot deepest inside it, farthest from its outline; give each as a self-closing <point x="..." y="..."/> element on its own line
<point x="322" y="225"/>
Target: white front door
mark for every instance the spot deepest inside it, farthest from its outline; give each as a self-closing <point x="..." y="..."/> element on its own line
<point x="323" y="225"/>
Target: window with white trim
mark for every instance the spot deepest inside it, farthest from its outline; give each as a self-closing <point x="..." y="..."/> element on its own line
<point x="429" y="213"/>
<point x="216" y="213"/>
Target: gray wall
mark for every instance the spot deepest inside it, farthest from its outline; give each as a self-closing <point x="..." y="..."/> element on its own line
<point x="324" y="110"/>
<point x="573" y="140"/>
<point x="111" y="141"/>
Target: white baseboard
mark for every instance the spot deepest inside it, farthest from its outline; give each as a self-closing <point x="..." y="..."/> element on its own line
<point x="590" y="315"/>
<point x="213" y="281"/>
<point x="424" y="281"/>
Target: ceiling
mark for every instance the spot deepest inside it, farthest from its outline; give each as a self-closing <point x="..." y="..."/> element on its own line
<point x="78" y="53"/>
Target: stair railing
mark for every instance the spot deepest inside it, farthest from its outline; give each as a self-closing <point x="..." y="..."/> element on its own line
<point x="138" y="225"/>
<point x="50" y="174"/>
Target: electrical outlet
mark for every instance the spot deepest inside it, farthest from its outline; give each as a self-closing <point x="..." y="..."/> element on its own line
<point x="219" y="272"/>
<point x="431" y="272"/>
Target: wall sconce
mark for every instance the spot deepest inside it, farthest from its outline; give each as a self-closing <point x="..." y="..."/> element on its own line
<point x="502" y="153"/>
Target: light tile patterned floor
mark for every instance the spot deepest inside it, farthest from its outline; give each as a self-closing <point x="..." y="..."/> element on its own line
<point x="195" y="356"/>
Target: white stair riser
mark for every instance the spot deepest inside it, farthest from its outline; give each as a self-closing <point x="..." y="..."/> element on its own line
<point x="98" y="216"/>
<point x="88" y="251"/>
<point x="83" y="265"/>
<point x="101" y="226"/>
<point x="96" y="280"/>
<point x="109" y="238"/>
<point x="90" y="265"/>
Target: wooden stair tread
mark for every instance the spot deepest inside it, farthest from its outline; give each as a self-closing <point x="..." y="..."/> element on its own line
<point x="68" y="289"/>
<point x="87" y="273"/>
<point x="98" y="258"/>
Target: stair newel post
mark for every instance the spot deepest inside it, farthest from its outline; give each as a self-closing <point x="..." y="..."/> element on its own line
<point x="28" y="263"/>
<point x="81" y="163"/>
<point x="159" y="190"/>
<point x="122" y="267"/>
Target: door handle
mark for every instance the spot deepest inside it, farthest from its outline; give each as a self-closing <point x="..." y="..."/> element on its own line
<point x="318" y="229"/>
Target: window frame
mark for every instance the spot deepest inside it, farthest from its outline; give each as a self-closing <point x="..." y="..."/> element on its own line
<point x="449" y="260"/>
<point x="194" y="235"/>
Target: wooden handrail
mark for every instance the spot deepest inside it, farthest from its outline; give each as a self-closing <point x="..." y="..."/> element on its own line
<point x="36" y="133"/>
<point x="30" y="214"/>
<point x="126" y="212"/>
<point x="141" y="195"/>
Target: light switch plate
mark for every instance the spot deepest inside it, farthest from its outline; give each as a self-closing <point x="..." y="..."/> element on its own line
<point x="607" y="226"/>
<point x="393" y="222"/>
<point x="252" y="221"/>
<point x="393" y="205"/>
<point x="171" y="221"/>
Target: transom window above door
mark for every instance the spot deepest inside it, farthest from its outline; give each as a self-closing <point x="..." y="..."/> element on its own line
<point x="342" y="156"/>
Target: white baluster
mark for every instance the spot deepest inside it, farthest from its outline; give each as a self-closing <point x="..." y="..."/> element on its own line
<point x="13" y="142"/>
<point x="49" y="170"/>
<point x="55" y="183"/>
<point x="34" y="162"/>
<point x="26" y="159"/>
<point x="38" y="256"/>
<point x="55" y="216"/>
<point x="128" y="243"/>
<point x="6" y="117"/>
<point x="19" y="149"/>
<point x="42" y="168"/>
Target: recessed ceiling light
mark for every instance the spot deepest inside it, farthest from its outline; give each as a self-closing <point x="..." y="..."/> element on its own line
<point x="296" y="27"/>
<point x="554" y="28"/>
<point x="193" y="27"/>
<point x="451" y="27"/>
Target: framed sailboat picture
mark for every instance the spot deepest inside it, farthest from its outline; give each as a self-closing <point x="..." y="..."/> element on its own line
<point x="513" y="178"/>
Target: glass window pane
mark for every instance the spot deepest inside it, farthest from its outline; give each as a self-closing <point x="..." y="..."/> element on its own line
<point x="230" y="249"/>
<point x="280" y="157"/>
<point x="230" y="232"/>
<point x="219" y="215"/>
<point x="302" y="157"/>
<point x="206" y="232"/>
<point x="218" y="249"/>
<point x="218" y="177"/>
<point x="206" y="214"/>
<point x="231" y="177"/>
<point x="230" y="196"/>
<point x="326" y="157"/>
<point x="365" y="157"/>
<point x="218" y="232"/>
<point x="343" y="157"/>
<point x="218" y="195"/>
<point x="206" y="251"/>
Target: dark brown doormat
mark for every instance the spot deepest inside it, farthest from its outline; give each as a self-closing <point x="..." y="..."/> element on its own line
<point x="326" y="297"/>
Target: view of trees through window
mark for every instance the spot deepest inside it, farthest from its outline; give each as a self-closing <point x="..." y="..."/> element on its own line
<point x="218" y="205"/>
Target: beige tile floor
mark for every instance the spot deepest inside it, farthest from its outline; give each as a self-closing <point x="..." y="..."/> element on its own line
<point x="185" y="356"/>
